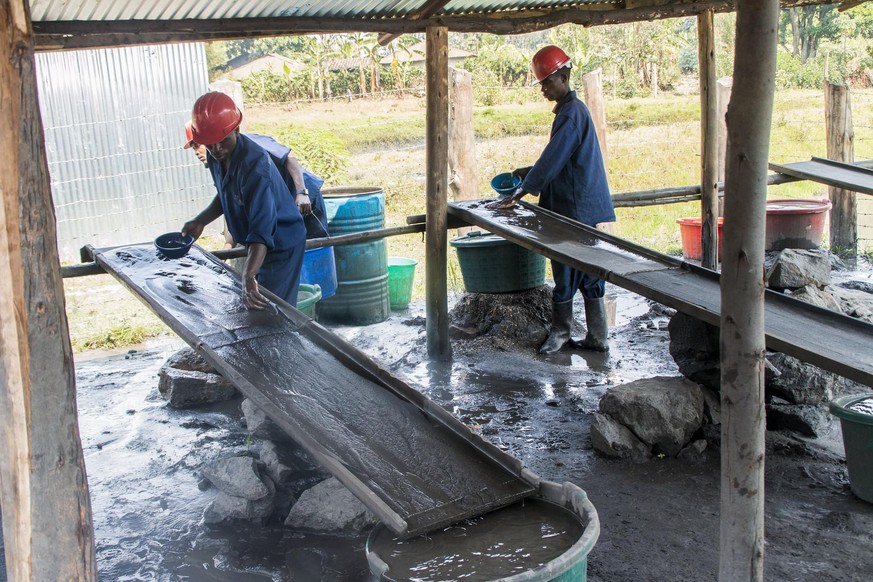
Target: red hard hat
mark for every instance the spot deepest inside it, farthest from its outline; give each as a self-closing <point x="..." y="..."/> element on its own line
<point x="215" y="115"/>
<point x="547" y="61"/>
<point x="189" y="135"/>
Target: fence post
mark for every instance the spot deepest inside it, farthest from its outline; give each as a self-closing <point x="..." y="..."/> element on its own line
<point x="708" y="140"/>
<point x="463" y="180"/>
<point x="723" y="97"/>
<point x="841" y="144"/>
<point x="593" y="84"/>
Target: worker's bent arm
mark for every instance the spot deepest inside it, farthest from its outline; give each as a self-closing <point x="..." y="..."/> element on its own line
<point x="304" y="204"/>
<point x="251" y="295"/>
<point x="195" y="227"/>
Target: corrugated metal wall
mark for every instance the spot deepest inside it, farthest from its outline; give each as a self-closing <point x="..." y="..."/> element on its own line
<point x="114" y="127"/>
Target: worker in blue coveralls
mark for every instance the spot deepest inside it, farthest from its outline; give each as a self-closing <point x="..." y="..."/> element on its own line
<point x="254" y="201"/>
<point x="570" y="179"/>
<point x="303" y="185"/>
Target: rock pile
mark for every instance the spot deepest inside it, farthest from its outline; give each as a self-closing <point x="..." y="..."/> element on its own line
<point x="187" y="380"/>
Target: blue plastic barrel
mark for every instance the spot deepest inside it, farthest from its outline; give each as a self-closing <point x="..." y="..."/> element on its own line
<point x="319" y="269"/>
<point x="361" y="296"/>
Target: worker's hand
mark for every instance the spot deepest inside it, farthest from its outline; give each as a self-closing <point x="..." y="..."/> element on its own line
<point x="506" y="201"/>
<point x="304" y="204"/>
<point x="251" y="294"/>
<point x="193" y="228"/>
<point x="521" y="172"/>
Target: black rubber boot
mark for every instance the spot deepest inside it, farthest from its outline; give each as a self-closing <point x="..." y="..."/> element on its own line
<point x="595" y="321"/>
<point x="562" y="322"/>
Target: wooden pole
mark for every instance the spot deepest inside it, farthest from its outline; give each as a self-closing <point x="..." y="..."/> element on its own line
<point x="463" y="180"/>
<point x="841" y="148"/>
<point x="723" y="97"/>
<point x="47" y="526"/>
<point x="708" y="141"/>
<point x="436" y="236"/>
<point x="593" y="84"/>
<point x="750" y="112"/>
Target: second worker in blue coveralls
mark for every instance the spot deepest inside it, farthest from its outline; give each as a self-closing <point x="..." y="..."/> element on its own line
<point x="570" y="179"/>
<point x="254" y="200"/>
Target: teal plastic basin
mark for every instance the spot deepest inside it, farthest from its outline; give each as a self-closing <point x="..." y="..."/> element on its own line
<point x="856" y="420"/>
<point x="492" y="264"/>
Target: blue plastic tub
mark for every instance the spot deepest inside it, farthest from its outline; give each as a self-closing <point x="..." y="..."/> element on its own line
<point x="319" y="269"/>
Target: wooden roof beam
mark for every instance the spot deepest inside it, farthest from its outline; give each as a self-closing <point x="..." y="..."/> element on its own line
<point x="429" y="9"/>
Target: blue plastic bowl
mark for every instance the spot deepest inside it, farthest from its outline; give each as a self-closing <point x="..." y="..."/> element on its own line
<point x="174" y="245"/>
<point x="505" y="184"/>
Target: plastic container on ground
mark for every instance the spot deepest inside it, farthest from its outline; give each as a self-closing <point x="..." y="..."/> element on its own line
<point x="569" y="566"/>
<point x="492" y="264"/>
<point x="796" y="223"/>
<point x="856" y="420"/>
<point x="361" y="296"/>
<point x="319" y="268"/>
<point x="401" y="273"/>
<point x="307" y="297"/>
<point x="689" y="232"/>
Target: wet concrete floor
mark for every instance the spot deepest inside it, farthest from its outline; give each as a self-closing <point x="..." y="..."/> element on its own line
<point x="659" y="519"/>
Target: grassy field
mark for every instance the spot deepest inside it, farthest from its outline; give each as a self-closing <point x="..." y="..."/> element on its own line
<point x="652" y="143"/>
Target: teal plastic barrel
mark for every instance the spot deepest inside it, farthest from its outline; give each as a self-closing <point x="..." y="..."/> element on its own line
<point x="477" y="550"/>
<point x="492" y="264"/>
<point x="401" y="273"/>
<point x="361" y="296"/>
<point x="307" y="297"/>
<point x="856" y="420"/>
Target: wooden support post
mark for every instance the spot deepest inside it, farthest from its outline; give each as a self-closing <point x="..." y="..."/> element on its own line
<point x="723" y="98"/>
<point x="462" y="145"/>
<point x="708" y="140"/>
<point x="750" y="113"/>
<point x="436" y="236"/>
<point x="47" y="526"/>
<point x="593" y="84"/>
<point x="841" y="148"/>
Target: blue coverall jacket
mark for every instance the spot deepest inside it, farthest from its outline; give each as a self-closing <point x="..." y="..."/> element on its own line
<point x="257" y="209"/>
<point x="316" y="222"/>
<point x="570" y="179"/>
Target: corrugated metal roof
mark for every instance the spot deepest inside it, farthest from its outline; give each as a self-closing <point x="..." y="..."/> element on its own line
<point x="118" y="10"/>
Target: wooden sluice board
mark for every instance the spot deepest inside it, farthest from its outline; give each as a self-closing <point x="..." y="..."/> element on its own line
<point x="830" y="340"/>
<point x="409" y="461"/>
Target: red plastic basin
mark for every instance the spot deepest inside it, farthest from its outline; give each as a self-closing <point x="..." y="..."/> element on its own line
<point x="796" y="223"/>
<point x="689" y="231"/>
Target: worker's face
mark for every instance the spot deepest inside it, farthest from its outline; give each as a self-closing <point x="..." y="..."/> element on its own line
<point x="222" y="150"/>
<point x="555" y="86"/>
<point x="199" y="151"/>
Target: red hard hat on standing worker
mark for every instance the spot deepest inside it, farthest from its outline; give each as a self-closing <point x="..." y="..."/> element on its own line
<point x="547" y="61"/>
<point x="215" y="115"/>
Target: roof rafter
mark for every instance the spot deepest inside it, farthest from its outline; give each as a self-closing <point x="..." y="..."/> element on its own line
<point x="60" y="35"/>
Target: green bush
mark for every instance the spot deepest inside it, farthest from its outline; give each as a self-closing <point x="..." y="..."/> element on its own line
<point x="322" y="153"/>
<point x="265" y="87"/>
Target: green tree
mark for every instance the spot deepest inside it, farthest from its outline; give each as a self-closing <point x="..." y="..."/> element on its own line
<point x="807" y="27"/>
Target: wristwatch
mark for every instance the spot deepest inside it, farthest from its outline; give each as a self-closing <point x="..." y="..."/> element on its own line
<point x="303" y="191"/>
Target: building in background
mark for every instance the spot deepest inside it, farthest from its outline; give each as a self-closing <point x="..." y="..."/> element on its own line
<point x="114" y="127"/>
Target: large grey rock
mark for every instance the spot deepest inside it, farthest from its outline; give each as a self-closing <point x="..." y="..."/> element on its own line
<point x="819" y="297"/>
<point x="695" y="349"/>
<point x="711" y="406"/>
<point x="808" y="420"/>
<point x="190" y="388"/>
<point x="187" y="359"/>
<point x="798" y="382"/>
<point x="238" y="477"/>
<point x="260" y="425"/>
<point x="329" y="506"/>
<point x="795" y="268"/>
<point x="228" y="507"/>
<point x="664" y="412"/>
<point x="853" y="302"/>
<point x="613" y="439"/>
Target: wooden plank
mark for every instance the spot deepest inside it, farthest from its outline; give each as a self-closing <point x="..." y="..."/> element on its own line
<point x="413" y="464"/>
<point x="854" y="177"/>
<point x="47" y="526"/>
<point x="840" y="344"/>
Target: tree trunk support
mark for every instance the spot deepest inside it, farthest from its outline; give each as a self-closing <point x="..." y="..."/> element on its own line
<point x="724" y="97"/>
<point x="47" y="527"/>
<point x="841" y="148"/>
<point x="436" y="236"/>
<point x="750" y="113"/>
<point x="708" y="140"/>
<point x="463" y="180"/>
<point x="593" y="83"/>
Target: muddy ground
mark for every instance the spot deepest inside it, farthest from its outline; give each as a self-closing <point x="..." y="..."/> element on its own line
<point x="659" y="519"/>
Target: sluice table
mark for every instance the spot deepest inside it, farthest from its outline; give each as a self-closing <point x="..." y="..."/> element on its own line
<point x="830" y="340"/>
<point x="412" y="463"/>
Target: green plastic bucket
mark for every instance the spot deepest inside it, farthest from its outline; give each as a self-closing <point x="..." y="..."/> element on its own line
<point x="492" y="264"/>
<point x="384" y="550"/>
<point x="856" y="419"/>
<point x="307" y="297"/>
<point x="401" y="272"/>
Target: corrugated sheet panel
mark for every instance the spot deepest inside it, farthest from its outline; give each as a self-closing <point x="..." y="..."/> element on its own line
<point x="114" y="127"/>
<point x="105" y="10"/>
